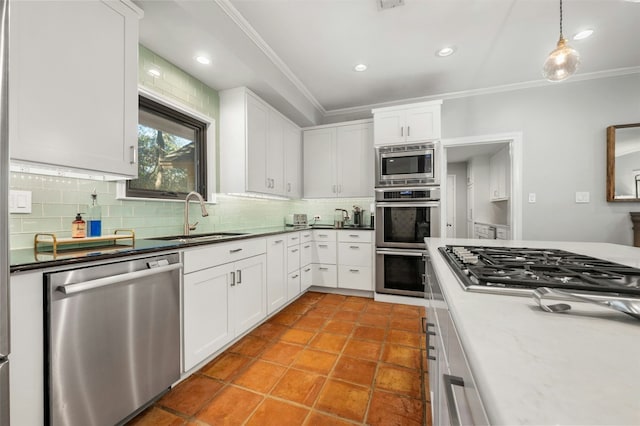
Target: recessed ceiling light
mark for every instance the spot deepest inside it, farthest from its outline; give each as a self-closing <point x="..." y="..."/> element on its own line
<point x="582" y="34"/>
<point x="445" y="51"/>
<point x="154" y="72"/>
<point x="360" y="67"/>
<point x="203" y="60"/>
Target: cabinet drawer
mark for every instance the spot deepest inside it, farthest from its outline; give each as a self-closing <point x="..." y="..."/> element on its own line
<point x="355" y="277"/>
<point x="306" y="236"/>
<point x="323" y="235"/>
<point x="306" y="253"/>
<point x="306" y="277"/>
<point x="502" y="234"/>
<point x="293" y="285"/>
<point x="293" y="258"/>
<point x="354" y="254"/>
<point x="323" y="252"/>
<point x="355" y="236"/>
<point x="221" y="253"/>
<point x="293" y="238"/>
<point x="324" y="275"/>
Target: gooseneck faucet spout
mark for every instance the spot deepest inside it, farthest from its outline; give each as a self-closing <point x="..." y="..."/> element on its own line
<point x="187" y="226"/>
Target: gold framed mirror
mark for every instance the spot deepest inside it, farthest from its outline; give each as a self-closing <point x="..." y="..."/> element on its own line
<point x="623" y="162"/>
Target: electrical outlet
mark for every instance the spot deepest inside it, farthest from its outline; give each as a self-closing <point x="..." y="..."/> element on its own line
<point x="532" y="197"/>
<point x="582" y="197"/>
<point x="316" y="217"/>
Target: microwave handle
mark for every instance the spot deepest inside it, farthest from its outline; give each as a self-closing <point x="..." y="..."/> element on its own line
<point x="408" y="204"/>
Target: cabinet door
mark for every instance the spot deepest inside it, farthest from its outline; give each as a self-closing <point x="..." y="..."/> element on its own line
<point x="389" y="127"/>
<point x="275" y="154"/>
<point x="73" y="87"/>
<point x="306" y="253"/>
<point x="207" y="323"/>
<point x="355" y="177"/>
<point x="292" y="161"/>
<point x="249" y="301"/>
<point x="319" y="148"/>
<point x="257" y="135"/>
<point x="276" y="279"/>
<point x="26" y="375"/>
<point x="422" y="123"/>
<point x="293" y="258"/>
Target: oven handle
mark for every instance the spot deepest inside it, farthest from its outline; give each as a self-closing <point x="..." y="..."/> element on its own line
<point x="102" y="282"/>
<point x="401" y="252"/>
<point x="406" y="204"/>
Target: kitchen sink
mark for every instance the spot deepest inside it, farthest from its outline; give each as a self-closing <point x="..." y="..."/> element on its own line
<point x="213" y="236"/>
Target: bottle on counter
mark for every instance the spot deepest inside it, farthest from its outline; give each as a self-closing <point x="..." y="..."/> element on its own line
<point x="78" y="227"/>
<point x="94" y="221"/>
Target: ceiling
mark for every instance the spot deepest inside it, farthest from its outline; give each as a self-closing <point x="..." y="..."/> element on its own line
<point x="299" y="54"/>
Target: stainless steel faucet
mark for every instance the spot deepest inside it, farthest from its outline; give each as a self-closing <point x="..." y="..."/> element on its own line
<point x="187" y="226"/>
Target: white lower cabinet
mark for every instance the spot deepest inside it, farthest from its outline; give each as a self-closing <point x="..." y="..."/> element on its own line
<point x="293" y="265"/>
<point x="324" y="275"/>
<point x="26" y="372"/>
<point x="276" y="273"/>
<point x="293" y="284"/>
<point x="221" y="302"/>
<point x="355" y="260"/>
<point x="306" y="277"/>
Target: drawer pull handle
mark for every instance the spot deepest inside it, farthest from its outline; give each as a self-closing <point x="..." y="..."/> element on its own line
<point x="133" y="155"/>
<point x="323" y="235"/>
<point x="452" y="405"/>
<point x="307" y="246"/>
<point x="235" y="250"/>
<point x="354" y="270"/>
<point x="322" y="245"/>
<point x="294" y="250"/>
<point x="295" y="276"/>
<point x="323" y="269"/>
<point x="294" y="238"/>
<point x="354" y="247"/>
<point x="233" y="279"/>
<point x="307" y="270"/>
<point x="354" y="236"/>
<point x="239" y="276"/>
<point x="278" y="241"/>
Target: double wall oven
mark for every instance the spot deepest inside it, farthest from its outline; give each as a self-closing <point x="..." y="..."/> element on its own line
<point x="404" y="218"/>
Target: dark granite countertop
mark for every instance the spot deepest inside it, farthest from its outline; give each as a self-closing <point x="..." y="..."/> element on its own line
<point x="27" y="259"/>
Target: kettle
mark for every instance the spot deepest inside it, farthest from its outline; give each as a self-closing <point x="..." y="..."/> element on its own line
<point x="358" y="216"/>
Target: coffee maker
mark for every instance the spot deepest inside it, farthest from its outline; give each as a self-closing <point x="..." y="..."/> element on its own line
<point x="358" y="216"/>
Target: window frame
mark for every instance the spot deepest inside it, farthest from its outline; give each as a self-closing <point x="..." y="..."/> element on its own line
<point x="200" y="143"/>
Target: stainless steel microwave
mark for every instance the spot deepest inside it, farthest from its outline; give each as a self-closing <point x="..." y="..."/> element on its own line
<point x="407" y="164"/>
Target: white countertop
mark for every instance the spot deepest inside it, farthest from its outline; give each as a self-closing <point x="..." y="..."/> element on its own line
<point x="539" y="368"/>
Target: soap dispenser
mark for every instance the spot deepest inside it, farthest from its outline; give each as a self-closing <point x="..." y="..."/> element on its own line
<point x="94" y="221"/>
<point x="78" y="227"/>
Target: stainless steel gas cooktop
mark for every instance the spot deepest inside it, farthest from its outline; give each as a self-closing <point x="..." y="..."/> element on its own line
<point x="519" y="271"/>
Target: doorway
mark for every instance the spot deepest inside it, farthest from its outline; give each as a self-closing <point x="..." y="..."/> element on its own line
<point x="481" y="205"/>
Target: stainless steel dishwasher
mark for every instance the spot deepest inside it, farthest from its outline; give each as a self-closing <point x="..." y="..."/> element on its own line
<point x="113" y="337"/>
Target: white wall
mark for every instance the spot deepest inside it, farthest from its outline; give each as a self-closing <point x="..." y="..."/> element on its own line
<point x="564" y="150"/>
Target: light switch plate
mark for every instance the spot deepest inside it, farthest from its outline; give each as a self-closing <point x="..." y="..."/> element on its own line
<point x="582" y="197"/>
<point x="532" y="197"/>
<point x="19" y="201"/>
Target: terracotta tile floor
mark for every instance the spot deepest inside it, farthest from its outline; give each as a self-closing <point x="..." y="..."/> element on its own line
<point x="324" y="360"/>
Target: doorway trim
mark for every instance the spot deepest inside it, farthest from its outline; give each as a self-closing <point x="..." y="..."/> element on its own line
<point x="514" y="140"/>
<point x="451" y="202"/>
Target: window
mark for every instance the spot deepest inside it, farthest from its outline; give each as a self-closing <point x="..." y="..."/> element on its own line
<point x="171" y="153"/>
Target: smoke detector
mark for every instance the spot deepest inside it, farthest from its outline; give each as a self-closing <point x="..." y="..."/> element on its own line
<point x="388" y="4"/>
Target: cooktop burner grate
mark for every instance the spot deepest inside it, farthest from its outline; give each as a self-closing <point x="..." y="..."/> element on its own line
<point x="506" y="268"/>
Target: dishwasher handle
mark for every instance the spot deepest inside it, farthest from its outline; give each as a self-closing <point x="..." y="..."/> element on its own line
<point x="102" y="282"/>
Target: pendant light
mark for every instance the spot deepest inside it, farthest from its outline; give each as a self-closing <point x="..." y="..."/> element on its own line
<point x="562" y="61"/>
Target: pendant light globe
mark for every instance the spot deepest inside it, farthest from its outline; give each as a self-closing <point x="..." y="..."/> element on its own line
<point x="563" y="61"/>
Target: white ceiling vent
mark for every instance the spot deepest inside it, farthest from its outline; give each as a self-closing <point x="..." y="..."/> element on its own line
<point x="388" y="4"/>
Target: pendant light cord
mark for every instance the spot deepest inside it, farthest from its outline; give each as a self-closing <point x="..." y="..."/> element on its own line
<point x="561" y="19"/>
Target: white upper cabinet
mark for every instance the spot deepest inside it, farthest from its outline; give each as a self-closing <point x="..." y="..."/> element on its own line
<point x="292" y="160"/>
<point x="499" y="171"/>
<point x="407" y="123"/>
<point x="338" y="160"/>
<point x="259" y="147"/>
<point x="73" y="88"/>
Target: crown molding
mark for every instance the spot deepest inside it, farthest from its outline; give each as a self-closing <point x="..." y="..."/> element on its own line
<point x="485" y="91"/>
<point x="246" y="27"/>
